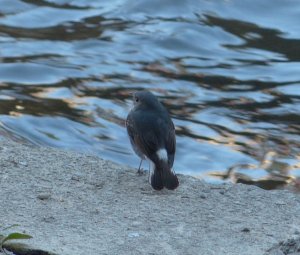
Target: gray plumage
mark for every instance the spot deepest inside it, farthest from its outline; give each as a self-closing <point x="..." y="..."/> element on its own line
<point x="152" y="136"/>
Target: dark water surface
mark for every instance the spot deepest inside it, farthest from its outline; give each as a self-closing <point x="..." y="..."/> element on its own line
<point x="228" y="71"/>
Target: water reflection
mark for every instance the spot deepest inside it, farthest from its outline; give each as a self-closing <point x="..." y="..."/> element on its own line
<point x="256" y="37"/>
<point x="278" y="174"/>
<point x="228" y="75"/>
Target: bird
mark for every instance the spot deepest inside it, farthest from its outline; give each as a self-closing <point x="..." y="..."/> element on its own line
<point x="152" y="136"/>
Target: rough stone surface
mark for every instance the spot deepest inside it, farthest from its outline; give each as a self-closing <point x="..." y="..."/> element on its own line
<point x="288" y="247"/>
<point x="79" y="204"/>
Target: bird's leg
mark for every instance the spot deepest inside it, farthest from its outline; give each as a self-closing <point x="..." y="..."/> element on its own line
<point x="149" y="172"/>
<point x="139" y="169"/>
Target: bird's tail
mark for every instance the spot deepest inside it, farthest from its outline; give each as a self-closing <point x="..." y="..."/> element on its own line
<point x="163" y="177"/>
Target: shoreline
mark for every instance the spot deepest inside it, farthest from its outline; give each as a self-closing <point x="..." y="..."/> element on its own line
<point x="76" y="204"/>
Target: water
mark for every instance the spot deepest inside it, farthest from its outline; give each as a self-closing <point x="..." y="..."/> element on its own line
<point x="227" y="70"/>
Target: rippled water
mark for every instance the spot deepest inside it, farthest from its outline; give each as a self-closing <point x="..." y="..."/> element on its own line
<point x="227" y="70"/>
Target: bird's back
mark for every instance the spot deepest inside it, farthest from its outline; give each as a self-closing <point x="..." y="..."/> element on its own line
<point x="156" y="130"/>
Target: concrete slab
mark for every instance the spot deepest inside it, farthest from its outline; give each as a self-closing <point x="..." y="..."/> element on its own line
<point x="77" y="204"/>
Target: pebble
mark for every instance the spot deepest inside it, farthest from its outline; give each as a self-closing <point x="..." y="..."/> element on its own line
<point x="44" y="196"/>
<point x="133" y="234"/>
<point x="23" y="163"/>
<point x="246" y="230"/>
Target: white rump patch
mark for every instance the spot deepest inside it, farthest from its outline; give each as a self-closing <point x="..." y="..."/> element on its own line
<point x="162" y="154"/>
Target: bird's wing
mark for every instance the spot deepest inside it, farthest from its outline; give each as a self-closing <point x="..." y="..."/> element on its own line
<point x="147" y="141"/>
<point x="129" y="127"/>
<point x="144" y="141"/>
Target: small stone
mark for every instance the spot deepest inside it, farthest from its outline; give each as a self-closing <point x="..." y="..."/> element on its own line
<point x="49" y="219"/>
<point x="133" y="234"/>
<point x="280" y="203"/>
<point x="203" y="196"/>
<point x="246" y="230"/>
<point x="96" y="211"/>
<point x="23" y="163"/>
<point x="44" y="196"/>
<point x="75" y="178"/>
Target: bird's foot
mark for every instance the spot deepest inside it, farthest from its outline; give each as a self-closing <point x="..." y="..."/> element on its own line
<point x="140" y="171"/>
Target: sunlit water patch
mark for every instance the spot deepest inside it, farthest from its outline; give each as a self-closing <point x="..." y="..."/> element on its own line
<point x="228" y="72"/>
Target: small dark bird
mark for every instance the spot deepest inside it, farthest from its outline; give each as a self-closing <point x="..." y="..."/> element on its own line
<point x="152" y="136"/>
